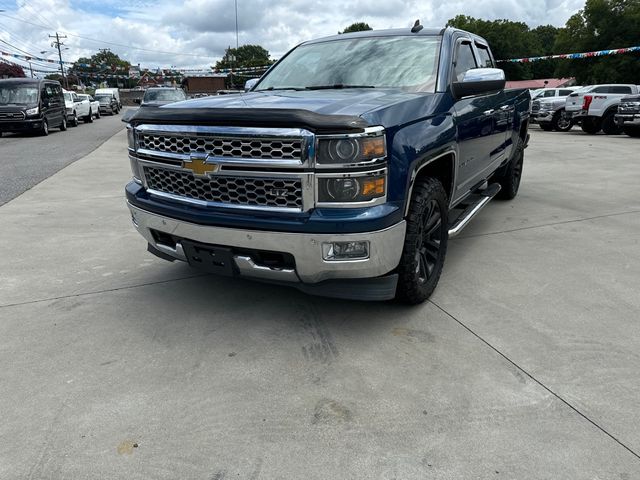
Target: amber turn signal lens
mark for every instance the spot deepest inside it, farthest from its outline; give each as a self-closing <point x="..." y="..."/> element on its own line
<point x="373" y="186"/>
<point x="373" y="147"/>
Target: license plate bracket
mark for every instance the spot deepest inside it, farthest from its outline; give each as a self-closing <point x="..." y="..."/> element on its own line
<point x="218" y="260"/>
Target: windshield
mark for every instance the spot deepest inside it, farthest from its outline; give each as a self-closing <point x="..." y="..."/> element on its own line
<point x="164" y="96"/>
<point x="103" y="98"/>
<point x="410" y="63"/>
<point x="18" y="94"/>
<point x="68" y="97"/>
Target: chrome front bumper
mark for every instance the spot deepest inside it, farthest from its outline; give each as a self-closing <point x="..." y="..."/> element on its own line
<point x="385" y="248"/>
<point x="627" y="119"/>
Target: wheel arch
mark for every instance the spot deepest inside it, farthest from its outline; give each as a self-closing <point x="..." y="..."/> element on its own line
<point x="441" y="167"/>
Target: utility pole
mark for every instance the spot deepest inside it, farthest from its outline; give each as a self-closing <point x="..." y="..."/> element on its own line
<point x="31" y="68"/>
<point x="58" y="44"/>
<point x="236" y="3"/>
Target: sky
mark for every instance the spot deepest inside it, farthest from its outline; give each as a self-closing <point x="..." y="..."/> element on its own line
<point x="195" y="33"/>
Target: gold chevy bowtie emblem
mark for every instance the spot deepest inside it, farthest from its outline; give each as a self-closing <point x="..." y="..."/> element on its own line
<point x="199" y="166"/>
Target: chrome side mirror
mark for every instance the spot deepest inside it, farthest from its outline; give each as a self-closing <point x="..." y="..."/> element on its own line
<point x="478" y="81"/>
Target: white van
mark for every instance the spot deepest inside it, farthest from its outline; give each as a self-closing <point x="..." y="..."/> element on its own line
<point x="110" y="91"/>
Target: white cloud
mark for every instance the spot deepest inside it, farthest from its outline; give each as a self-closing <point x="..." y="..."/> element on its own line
<point x="198" y="31"/>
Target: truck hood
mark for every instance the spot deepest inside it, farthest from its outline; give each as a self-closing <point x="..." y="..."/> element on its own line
<point x="348" y="108"/>
<point x="326" y="102"/>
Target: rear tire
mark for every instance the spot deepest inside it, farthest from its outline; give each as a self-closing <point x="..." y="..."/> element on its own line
<point x="609" y="125"/>
<point x="561" y="122"/>
<point x="509" y="177"/>
<point x="88" y="118"/>
<point x="632" y="131"/>
<point x="591" y="125"/>
<point x="425" y="244"/>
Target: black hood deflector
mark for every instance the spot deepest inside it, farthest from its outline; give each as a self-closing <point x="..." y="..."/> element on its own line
<point x="250" y="117"/>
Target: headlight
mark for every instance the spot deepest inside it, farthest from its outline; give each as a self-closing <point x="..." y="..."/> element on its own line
<point x="353" y="149"/>
<point x="356" y="188"/>
<point x="32" y="111"/>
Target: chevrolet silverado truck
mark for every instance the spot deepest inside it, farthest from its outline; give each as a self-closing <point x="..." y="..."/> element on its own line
<point x="594" y="107"/>
<point x="628" y="116"/>
<point x="343" y="172"/>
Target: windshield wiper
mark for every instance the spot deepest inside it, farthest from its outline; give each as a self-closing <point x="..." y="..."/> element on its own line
<point x="336" y="86"/>
<point x="271" y="89"/>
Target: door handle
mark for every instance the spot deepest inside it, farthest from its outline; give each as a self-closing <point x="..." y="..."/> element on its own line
<point x="505" y="107"/>
<point x="488" y="112"/>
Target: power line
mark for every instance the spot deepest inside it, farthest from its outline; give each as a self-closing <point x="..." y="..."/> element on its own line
<point x="57" y="43"/>
<point x="162" y="52"/>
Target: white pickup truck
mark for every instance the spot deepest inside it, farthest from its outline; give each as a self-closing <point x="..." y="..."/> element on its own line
<point x="595" y="107"/>
<point x="77" y="108"/>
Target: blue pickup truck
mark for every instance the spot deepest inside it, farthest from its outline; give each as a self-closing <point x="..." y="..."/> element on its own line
<point x="343" y="172"/>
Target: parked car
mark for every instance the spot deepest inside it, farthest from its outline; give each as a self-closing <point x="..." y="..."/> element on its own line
<point x="343" y="172"/>
<point x="628" y="116"/>
<point x="95" y="105"/>
<point x="552" y="92"/>
<point x="108" y="103"/>
<point x="114" y="92"/>
<point x="31" y="105"/>
<point x="158" y="96"/>
<point x="595" y="107"/>
<point x="548" y="111"/>
<point x="77" y="108"/>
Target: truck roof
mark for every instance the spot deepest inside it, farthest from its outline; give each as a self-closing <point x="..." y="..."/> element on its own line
<point x="394" y="32"/>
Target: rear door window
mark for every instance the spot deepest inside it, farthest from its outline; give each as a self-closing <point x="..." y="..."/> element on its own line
<point x="484" y="60"/>
<point x="619" y="89"/>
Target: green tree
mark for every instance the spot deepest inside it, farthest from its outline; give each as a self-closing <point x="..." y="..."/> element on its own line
<point x="507" y="39"/>
<point x="244" y="56"/>
<point x="104" y="62"/>
<point x="602" y="25"/>
<point x="357" y="27"/>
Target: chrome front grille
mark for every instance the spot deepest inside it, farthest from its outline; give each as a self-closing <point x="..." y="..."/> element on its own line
<point x="11" y="116"/>
<point x="223" y="147"/>
<point x="246" y="191"/>
<point x="631" y="107"/>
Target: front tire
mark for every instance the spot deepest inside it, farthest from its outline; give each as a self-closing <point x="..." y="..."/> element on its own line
<point x="609" y="125"/>
<point x="88" y="118"/>
<point x="591" y="125"/>
<point x="425" y="244"/>
<point x="63" y="125"/>
<point x="561" y="121"/>
<point x="632" y="131"/>
<point x="74" y="120"/>
<point x="44" y="130"/>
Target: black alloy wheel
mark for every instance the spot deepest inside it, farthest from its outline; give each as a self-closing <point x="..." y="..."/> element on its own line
<point x="425" y="244"/>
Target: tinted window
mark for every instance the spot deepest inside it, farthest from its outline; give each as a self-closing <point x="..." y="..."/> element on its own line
<point x="485" y="58"/>
<point x="407" y="62"/>
<point x="601" y="90"/>
<point x="464" y="60"/>
<point x="548" y="93"/>
<point x="564" y="93"/>
<point x="619" y="89"/>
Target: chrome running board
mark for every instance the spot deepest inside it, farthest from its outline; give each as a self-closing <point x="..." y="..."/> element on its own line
<point x="478" y="201"/>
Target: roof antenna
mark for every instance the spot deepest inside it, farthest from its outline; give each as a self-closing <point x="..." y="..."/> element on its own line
<point x="416" y="27"/>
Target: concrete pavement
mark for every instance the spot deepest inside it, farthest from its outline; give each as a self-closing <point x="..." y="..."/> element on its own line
<point x="524" y="365"/>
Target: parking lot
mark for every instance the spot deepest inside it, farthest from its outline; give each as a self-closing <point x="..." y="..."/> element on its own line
<point x="524" y="364"/>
